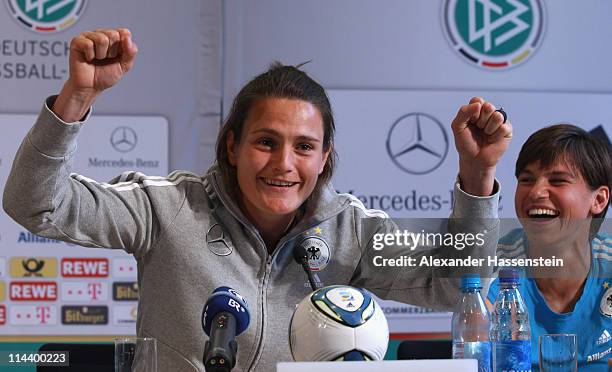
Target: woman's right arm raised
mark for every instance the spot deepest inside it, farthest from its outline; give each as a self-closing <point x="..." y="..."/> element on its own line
<point x="98" y="60"/>
<point x="44" y="195"/>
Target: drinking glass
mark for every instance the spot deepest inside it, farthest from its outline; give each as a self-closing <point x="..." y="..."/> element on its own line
<point x="137" y="351"/>
<point x="558" y="353"/>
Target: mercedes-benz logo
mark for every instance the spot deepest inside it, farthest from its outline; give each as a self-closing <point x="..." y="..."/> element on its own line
<point x="124" y="139"/>
<point x="217" y="242"/>
<point x="417" y="143"/>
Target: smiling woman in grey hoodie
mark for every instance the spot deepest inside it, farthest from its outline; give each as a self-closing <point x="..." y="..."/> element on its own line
<point x="236" y="225"/>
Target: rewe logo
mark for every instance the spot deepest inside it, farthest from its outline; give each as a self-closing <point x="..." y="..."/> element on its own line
<point x="46" y="15"/>
<point x="85" y="267"/>
<point x="494" y="34"/>
<point x="33" y="291"/>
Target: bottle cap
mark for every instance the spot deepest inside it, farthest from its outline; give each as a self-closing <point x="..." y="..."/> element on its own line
<point x="508" y="276"/>
<point x="470" y="281"/>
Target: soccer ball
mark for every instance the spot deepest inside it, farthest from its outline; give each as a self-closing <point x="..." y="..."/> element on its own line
<point x="338" y="323"/>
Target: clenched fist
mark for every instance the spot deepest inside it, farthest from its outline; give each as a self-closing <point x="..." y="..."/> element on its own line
<point x="98" y="60"/>
<point x="481" y="138"/>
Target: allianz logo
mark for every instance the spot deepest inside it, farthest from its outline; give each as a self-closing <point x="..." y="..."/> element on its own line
<point x="28" y="237"/>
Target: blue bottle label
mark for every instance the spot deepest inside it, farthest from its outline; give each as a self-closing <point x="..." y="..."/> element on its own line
<point x="480" y="351"/>
<point x="512" y="356"/>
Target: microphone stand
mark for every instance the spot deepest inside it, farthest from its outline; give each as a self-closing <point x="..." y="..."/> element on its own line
<point x="221" y="347"/>
<point x="301" y="256"/>
<point x="306" y="268"/>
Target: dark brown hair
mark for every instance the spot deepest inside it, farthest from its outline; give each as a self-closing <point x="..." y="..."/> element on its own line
<point x="279" y="81"/>
<point x="582" y="151"/>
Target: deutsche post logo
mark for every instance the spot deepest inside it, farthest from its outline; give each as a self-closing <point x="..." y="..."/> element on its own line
<point x="46" y="16"/>
<point x="494" y="34"/>
<point x="33" y="267"/>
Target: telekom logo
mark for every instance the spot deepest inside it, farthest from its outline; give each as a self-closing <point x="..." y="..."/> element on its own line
<point x="43" y="313"/>
<point x="94" y="290"/>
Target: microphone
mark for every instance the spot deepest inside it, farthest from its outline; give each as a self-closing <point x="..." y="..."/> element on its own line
<point x="301" y="256"/>
<point x="225" y="316"/>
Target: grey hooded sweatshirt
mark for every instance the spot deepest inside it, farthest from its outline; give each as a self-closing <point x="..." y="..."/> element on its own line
<point x="189" y="237"/>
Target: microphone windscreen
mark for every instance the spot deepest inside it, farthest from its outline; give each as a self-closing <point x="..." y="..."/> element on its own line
<point x="225" y="299"/>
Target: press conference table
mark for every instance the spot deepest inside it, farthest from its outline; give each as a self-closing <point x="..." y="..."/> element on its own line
<point x="439" y="365"/>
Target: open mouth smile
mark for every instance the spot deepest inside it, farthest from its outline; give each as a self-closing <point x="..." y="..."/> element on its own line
<point x="278" y="183"/>
<point x="542" y="213"/>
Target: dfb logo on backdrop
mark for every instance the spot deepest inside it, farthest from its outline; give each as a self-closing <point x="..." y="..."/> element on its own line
<point x="417" y="143"/>
<point x="124" y="139"/>
<point x="494" y="34"/>
<point x="46" y="16"/>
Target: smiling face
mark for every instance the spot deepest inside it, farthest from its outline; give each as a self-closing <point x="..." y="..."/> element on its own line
<point x="556" y="203"/>
<point x="278" y="158"/>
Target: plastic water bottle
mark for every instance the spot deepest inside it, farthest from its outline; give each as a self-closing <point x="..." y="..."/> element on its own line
<point x="471" y="325"/>
<point x="510" y="331"/>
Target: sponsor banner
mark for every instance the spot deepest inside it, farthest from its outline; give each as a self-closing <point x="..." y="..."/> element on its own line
<point x="403" y="160"/>
<point x="33" y="291"/>
<point x="84" y="291"/>
<point x="27" y="315"/>
<point x="125" y="315"/>
<point x="44" y="269"/>
<point x="124" y="267"/>
<point x="125" y="291"/>
<point x="404" y="318"/>
<point x="110" y="145"/>
<point x="85" y="267"/>
<point x="26" y="237"/>
<point x="33" y="267"/>
<point x="84" y="315"/>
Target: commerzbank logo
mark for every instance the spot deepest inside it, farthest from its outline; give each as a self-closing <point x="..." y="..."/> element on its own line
<point x="46" y="16"/>
<point x="494" y="34"/>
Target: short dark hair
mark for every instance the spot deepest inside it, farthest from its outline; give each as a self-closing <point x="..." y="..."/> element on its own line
<point x="279" y="81"/>
<point x="585" y="153"/>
